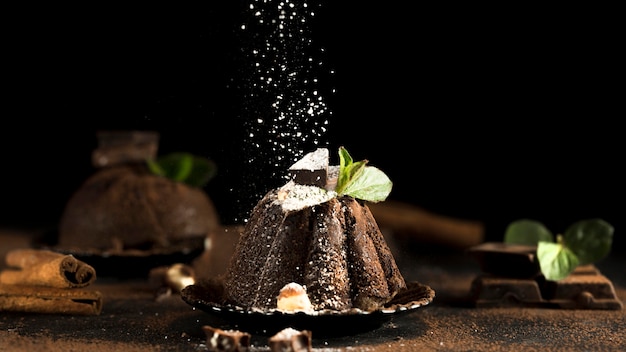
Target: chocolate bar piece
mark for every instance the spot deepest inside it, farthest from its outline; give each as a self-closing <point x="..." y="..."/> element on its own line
<point x="312" y="169"/>
<point x="119" y="147"/>
<point x="291" y="340"/>
<point x="226" y="340"/>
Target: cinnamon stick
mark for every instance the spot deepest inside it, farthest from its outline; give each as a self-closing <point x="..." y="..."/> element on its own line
<point x="407" y="220"/>
<point x="51" y="300"/>
<point x="46" y="268"/>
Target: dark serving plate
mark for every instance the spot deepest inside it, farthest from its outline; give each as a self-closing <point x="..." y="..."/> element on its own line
<point x="205" y="296"/>
<point x="133" y="263"/>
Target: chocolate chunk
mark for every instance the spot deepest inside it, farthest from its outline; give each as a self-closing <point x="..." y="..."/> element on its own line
<point x="291" y="340"/>
<point x="119" y="147"/>
<point x="226" y="340"/>
<point x="312" y="169"/>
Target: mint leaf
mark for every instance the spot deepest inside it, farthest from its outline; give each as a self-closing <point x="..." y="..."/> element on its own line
<point x="155" y="168"/>
<point x="584" y="242"/>
<point x="372" y="185"/>
<point x="344" y="157"/>
<point x="348" y="170"/>
<point x="527" y="232"/>
<point x="590" y="240"/>
<point x="187" y="168"/>
<point x="358" y="180"/>
<point x="555" y="260"/>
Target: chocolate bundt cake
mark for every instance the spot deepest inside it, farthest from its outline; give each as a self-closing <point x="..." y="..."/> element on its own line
<point x="310" y="235"/>
<point x="128" y="208"/>
<point x="123" y="205"/>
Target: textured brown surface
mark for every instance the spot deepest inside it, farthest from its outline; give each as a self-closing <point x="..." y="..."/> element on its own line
<point x="127" y="207"/>
<point x="328" y="252"/>
<point x="249" y="279"/>
<point x="132" y="320"/>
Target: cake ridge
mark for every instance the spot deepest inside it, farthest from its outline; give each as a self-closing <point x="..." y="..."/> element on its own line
<point x="273" y="247"/>
<point x="328" y="251"/>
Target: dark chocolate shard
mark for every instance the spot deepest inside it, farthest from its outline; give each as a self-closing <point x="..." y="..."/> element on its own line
<point x="312" y="169"/>
<point x="119" y="147"/>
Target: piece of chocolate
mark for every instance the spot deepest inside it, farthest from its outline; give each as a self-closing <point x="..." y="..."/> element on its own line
<point x="291" y="340"/>
<point x="312" y="169"/>
<point x="226" y="340"/>
<point x="119" y="147"/>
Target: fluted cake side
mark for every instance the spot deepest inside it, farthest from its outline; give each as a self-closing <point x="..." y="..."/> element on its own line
<point x="334" y="248"/>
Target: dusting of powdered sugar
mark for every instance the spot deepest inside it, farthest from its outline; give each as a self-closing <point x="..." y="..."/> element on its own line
<point x="293" y="196"/>
<point x="312" y="161"/>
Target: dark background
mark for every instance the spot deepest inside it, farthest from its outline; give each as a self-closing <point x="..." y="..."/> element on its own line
<point x="491" y="114"/>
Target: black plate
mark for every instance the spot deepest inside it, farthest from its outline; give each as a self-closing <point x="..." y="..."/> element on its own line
<point x="325" y="322"/>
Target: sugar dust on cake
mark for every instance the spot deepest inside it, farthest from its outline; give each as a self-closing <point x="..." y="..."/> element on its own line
<point x="307" y="234"/>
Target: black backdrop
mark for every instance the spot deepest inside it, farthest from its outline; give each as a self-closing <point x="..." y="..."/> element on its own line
<point x="482" y="113"/>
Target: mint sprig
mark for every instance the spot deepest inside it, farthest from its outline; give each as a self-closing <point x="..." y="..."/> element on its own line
<point x="184" y="167"/>
<point x="358" y="180"/>
<point x="584" y="242"/>
<point x="556" y="260"/>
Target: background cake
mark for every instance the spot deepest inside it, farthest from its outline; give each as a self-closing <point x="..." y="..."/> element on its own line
<point x="306" y="233"/>
<point x="124" y="205"/>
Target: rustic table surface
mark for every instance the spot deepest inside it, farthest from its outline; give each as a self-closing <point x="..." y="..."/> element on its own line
<point x="133" y="319"/>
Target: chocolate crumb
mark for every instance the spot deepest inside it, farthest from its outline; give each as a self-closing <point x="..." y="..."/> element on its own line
<point x="226" y="340"/>
<point x="291" y="340"/>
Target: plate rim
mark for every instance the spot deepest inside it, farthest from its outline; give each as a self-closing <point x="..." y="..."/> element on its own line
<point x="394" y="309"/>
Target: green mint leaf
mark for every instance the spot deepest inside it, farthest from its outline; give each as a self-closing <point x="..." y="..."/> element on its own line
<point x="555" y="260"/>
<point x="372" y="185"/>
<point x="177" y="166"/>
<point x="348" y="170"/>
<point x="360" y="181"/>
<point x="192" y="170"/>
<point x="590" y="239"/>
<point x="155" y="168"/>
<point x="348" y="174"/>
<point x="343" y="178"/>
<point x="527" y="232"/>
<point x="344" y="157"/>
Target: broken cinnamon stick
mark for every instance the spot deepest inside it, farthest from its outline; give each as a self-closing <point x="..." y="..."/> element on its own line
<point x="46" y="268"/>
<point x="30" y="299"/>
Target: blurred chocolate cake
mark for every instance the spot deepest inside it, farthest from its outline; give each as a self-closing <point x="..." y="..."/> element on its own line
<point x="124" y="205"/>
<point x="307" y="234"/>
